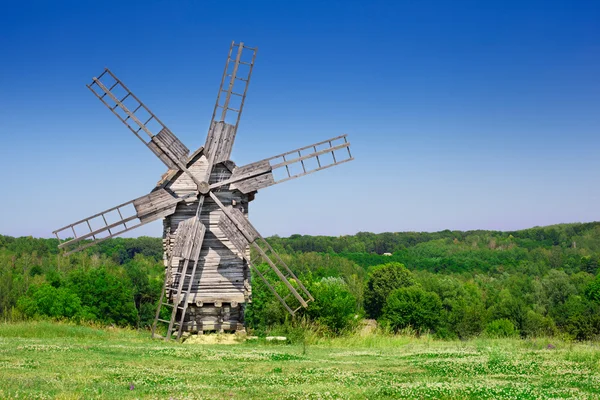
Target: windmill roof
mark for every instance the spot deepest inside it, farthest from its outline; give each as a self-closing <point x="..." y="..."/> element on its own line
<point x="171" y="174"/>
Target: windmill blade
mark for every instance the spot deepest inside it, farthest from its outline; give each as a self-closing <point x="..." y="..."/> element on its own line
<point x="242" y="234"/>
<point x="119" y="219"/>
<point x="230" y="101"/>
<point x="140" y="120"/>
<point x="290" y="165"/>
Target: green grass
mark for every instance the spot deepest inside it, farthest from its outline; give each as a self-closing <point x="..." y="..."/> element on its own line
<point x="40" y="360"/>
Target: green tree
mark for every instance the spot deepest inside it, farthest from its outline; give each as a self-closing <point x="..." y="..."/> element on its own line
<point x="412" y="306"/>
<point x="578" y="317"/>
<point x="265" y="310"/>
<point x="592" y="291"/>
<point x="146" y="276"/>
<point x="382" y="280"/>
<point x="105" y="295"/>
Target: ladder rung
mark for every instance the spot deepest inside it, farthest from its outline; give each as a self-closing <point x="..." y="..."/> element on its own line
<point x="167" y="322"/>
<point x="233" y="93"/>
<point x="167" y="304"/>
<point x="186" y="275"/>
<point x="133" y="112"/>
<point x="240" y="79"/>
<point x="112" y="87"/>
<point x="126" y="96"/>
<point x="245" y="63"/>
<point x="228" y="108"/>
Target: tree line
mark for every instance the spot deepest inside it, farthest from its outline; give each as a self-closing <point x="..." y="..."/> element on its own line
<point x="534" y="282"/>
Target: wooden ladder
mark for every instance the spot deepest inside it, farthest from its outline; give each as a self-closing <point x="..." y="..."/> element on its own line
<point x="188" y="244"/>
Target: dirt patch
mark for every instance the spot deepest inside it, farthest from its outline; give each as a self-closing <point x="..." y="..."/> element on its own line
<point x="216" y="338"/>
<point x="369" y="326"/>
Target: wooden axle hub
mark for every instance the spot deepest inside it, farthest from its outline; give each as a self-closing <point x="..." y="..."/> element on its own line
<point x="203" y="187"/>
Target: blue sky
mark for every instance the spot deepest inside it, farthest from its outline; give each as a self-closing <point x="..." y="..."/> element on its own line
<point x="462" y="115"/>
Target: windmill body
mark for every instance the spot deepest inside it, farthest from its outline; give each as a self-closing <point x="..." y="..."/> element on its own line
<point x="221" y="287"/>
<point x="210" y="247"/>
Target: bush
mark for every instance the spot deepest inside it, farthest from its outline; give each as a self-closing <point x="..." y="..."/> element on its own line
<point x="501" y="328"/>
<point x="537" y="325"/>
<point x="412" y="306"/>
<point x="382" y="280"/>
<point x="334" y="306"/>
<point x="49" y="301"/>
<point x="105" y="296"/>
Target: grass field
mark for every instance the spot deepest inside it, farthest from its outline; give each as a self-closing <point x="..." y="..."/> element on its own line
<point x="48" y="360"/>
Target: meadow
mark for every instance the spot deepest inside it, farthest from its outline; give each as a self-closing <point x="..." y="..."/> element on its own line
<point x="46" y="360"/>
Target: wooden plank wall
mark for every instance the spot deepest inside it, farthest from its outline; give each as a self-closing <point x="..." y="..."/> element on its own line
<point x="223" y="276"/>
<point x="218" y="317"/>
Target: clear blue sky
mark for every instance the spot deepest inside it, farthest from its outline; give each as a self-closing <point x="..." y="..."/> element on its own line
<point x="462" y="115"/>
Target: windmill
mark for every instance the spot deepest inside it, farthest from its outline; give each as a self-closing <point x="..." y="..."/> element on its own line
<point x="209" y="245"/>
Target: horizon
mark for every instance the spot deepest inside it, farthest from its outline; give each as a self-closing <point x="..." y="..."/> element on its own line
<point x="356" y="233"/>
<point x="461" y="117"/>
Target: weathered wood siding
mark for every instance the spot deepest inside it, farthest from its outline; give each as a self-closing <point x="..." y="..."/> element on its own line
<point x="229" y="316"/>
<point x="222" y="275"/>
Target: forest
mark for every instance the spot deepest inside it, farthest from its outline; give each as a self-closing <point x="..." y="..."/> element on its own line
<point x="542" y="281"/>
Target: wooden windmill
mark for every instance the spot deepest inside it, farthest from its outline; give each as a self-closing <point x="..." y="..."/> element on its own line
<point x="203" y="200"/>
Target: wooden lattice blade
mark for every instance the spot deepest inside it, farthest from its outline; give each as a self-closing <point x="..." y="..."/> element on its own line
<point x="230" y="101"/>
<point x="290" y="165"/>
<point x="139" y="119"/>
<point x="119" y="219"/>
<point x="188" y="239"/>
<point x="234" y="234"/>
<point x="220" y="141"/>
<point x="242" y="234"/>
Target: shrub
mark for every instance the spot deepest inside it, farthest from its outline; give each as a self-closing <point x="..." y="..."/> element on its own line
<point x="49" y="301"/>
<point x="536" y="324"/>
<point x="412" y="306"/>
<point x="501" y="328"/>
<point x="382" y="280"/>
<point x="334" y="306"/>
